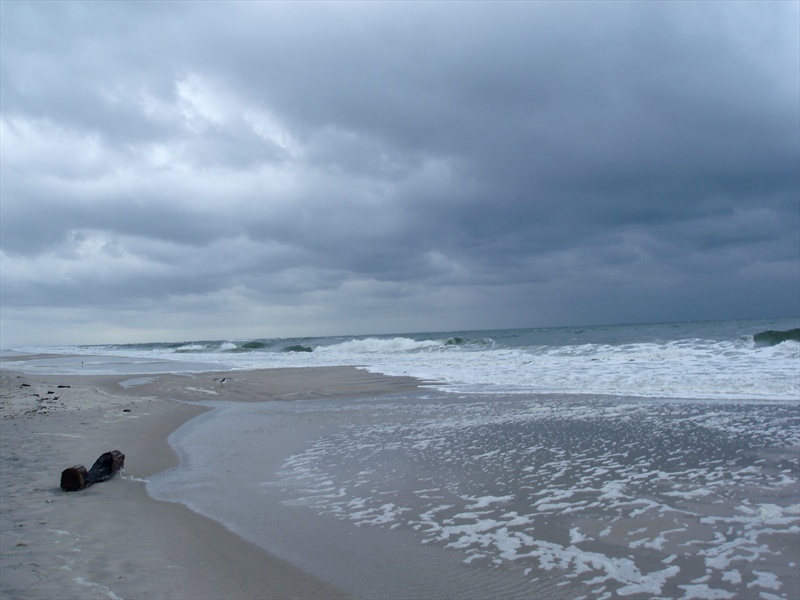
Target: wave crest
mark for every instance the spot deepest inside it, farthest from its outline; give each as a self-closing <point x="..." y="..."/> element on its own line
<point x="378" y="345"/>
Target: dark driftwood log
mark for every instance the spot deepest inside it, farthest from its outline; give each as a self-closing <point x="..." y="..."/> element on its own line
<point x="77" y="477"/>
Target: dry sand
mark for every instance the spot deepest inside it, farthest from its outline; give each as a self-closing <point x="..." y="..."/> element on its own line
<point x="112" y="540"/>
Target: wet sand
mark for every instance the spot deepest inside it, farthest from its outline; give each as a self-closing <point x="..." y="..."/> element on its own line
<point x="459" y="497"/>
<point x="112" y="540"/>
<point x="435" y="495"/>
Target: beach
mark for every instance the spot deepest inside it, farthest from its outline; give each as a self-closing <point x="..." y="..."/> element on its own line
<point x="112" y="540"/>
<point x="628" y="462"/>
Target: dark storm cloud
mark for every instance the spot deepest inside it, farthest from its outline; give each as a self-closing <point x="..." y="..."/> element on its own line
<point x="369" y="166"/>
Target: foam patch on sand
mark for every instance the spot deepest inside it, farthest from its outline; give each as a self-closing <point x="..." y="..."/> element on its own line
<point x="621" y="499"/>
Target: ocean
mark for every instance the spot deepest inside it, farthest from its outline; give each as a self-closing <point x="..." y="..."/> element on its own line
<point x="636" y="461"/>
<point x="706" y="360"/>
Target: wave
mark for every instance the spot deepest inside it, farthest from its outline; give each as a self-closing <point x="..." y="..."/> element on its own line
<point x="380" y="345"/>
<point x="210" y="346"/>
<point x="298" y="348"/>
<point x="192" y="348"/>
<point x="198" y="347"/>
<point x="403" y="345"/>
<point x="770" y="337"/>
<point x="707" y="360"/>
<point x="254" y="345"/>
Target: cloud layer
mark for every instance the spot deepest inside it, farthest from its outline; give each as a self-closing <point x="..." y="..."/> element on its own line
<point x="204" y="170"/>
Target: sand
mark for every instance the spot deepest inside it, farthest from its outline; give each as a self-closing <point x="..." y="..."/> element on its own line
<point x="112" y="540"/>
<point x="627" y="498"/>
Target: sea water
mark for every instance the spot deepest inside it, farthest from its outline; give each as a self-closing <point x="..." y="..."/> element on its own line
<point x="449" y="495"/>
<point x="708" y="360"/>
<point x="637" y="461"/>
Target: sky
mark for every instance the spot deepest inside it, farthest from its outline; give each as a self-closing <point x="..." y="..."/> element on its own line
<point x="219" y="170"/>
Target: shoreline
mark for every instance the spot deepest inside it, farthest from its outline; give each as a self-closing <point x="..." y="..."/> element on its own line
<point x="113" y="540"/>
<point x="626" y="496"/>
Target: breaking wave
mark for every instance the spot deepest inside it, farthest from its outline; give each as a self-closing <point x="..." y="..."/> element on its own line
<point x="714" y="360"/>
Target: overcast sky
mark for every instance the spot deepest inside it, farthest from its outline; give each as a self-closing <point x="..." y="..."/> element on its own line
<point x="177" y="171"/>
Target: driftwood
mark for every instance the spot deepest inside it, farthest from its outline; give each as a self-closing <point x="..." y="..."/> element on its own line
<point x="77" y="477"/>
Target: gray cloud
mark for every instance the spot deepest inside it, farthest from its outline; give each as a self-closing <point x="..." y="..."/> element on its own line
<point x="200" y="169"/>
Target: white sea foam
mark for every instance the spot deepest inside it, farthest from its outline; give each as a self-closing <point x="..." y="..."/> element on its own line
<point x="654" y="361"/>
<point x="97" y="588"/>
<point x="378" y="346"/>
<point x="701" y="591"/>
<point x="191" y="348"/>
<point x="573" y="464"/>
